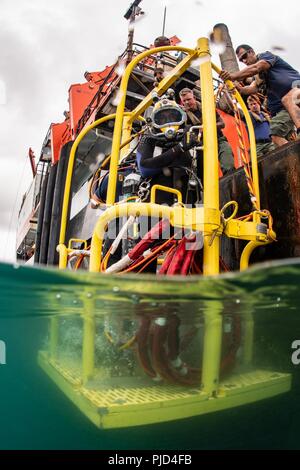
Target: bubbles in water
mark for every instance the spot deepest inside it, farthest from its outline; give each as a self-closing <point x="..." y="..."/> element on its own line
<point x="75" y="301"/>
<point x="99" y="159"/>
<point x="167" y="171"/>
<point x="157" y="378"/>
<point x="218" y="48"/>
<point x="117" y="98"/>
<point x="237" y="301"/>
<point x="16" y="266"/>
<point x="278" y="48"/>
<point x="278" y="299"/>
<point x="120" y="69"/>
<point x="58" y="296"/>
<point x="93" y="167"/>
<point x="135" y="299"/>
<point x="89" y="295"/>
<point x="200" y="60"/>
<point x="116" y="289"/>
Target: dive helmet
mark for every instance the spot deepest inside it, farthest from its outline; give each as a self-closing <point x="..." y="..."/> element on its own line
<point x="167" y="116"/>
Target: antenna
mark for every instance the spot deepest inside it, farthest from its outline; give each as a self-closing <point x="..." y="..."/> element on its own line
<point x="164" y="22"/>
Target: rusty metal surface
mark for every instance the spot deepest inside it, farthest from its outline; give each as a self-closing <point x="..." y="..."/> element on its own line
<point x="279" y="174"/>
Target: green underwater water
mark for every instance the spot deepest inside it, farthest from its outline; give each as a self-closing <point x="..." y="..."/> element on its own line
<point x="35" y="414"/>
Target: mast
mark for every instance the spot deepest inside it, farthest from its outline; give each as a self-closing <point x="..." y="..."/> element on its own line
<point x="133" y="11"/>
<point x="228" y="58"/>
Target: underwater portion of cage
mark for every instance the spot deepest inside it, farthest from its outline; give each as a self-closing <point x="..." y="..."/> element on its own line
<point x="132" y="366"/>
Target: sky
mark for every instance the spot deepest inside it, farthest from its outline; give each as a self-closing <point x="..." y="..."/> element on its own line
<point x="47" y="46"/>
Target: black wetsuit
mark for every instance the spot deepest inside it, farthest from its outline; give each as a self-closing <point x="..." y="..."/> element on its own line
<point x="167" y="168"/>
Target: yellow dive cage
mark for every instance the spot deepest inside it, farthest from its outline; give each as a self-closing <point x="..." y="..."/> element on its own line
<point x="130" y="404"/>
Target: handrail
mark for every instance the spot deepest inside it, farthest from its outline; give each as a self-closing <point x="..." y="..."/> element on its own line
<point x="163" y="86"/>
<point x="253" y="153"/>
<point x="68" y="182"/>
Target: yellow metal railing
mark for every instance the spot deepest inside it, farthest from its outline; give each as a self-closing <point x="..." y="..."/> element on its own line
<point x="68" y="182"/>
<point x="116" y="146"/>
<point x="122" y="130"/>
<point x="163" y="86"/>
<point x="252" y="140"/>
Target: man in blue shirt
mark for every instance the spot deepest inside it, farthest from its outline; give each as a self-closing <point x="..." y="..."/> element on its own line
<point x="261" y="124"/>
<point x="281" y="81"/>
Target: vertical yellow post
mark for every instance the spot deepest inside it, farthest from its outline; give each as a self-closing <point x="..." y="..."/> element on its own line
<point x="53" y="337"/>
<point x="210" y="151"/>
<point x="248" y="336"/>
<point x="96" y="252"/>
<point x="63" y="256"/>
<point x="212" y="347"/>
<point x="126" y="134"/>
<point x="213" y="321"/>
<point x="88" y="341"/>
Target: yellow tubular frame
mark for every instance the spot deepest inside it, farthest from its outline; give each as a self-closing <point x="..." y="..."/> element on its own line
<point x="253" y="153"/>
<point x="159" y="187"/>
<point x="207" y="218"/>
<point x="211" y="165"/>
<point x="247" y="252"/>
<point x="63" y="226"/>
<point x="163" y="86"/>
<point x="165" y="83"/>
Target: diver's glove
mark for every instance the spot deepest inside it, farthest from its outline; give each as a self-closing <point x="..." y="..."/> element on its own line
<point x="189" y="141"/>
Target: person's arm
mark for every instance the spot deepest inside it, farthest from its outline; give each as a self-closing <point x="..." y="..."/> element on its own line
<point x="165" y="159"/>
<point x="247" y="90"/>
<point x="250" y="71"/>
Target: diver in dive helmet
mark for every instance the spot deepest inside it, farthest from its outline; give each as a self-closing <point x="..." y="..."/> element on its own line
<point x="163" y="153"/>
<point x="167" y="117"/>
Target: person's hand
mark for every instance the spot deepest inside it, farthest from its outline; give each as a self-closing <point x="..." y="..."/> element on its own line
<point x="189" y="140"/>
<point x="225" y="75"/>
<point x="238" y="85"/>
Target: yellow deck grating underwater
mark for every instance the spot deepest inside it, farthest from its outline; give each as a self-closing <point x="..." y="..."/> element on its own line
<point x="133" y="406"/>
